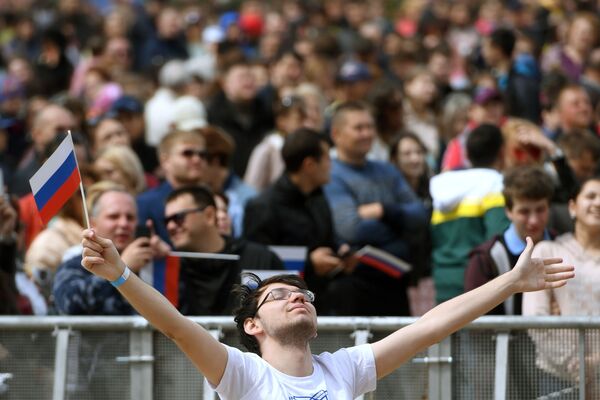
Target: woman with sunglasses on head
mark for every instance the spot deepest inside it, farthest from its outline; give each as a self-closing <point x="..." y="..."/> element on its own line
<point x="526" y="145"/>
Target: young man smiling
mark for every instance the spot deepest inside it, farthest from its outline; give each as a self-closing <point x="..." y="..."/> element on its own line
<point x="527" y="192"/>
<point x="279" y="315"/>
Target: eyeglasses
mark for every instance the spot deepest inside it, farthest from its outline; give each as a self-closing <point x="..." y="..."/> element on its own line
<point x="179" y="217"/>
<point x="284" y="294"/>
<point x="189" y="153"/>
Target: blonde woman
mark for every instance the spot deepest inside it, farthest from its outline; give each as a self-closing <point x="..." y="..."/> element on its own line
<point x="121" y="165"/>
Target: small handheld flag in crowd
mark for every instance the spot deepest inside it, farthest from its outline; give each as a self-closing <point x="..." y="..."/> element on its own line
<point x="56" y="181"/>
<point x="166" y="277"/>
<point x="166" y="271"/>
<point x="208" y="256"/>
<point x="293" y="257"/>
<point x="383" y="261"/>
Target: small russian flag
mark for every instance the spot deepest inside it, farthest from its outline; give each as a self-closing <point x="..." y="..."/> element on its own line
<point x="56" y="181"/>
<point x="166" y="277"/>
<point x="383" y="261"/>
<point x="165" y="272"/>
<point x="293" y="257"/>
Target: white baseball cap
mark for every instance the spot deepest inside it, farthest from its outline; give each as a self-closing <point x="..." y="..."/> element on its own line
<point x="189" y="114"/>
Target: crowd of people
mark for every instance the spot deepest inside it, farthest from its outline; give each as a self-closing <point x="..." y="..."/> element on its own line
<point x="443" y="133"/>
<point x="433" y="131"/>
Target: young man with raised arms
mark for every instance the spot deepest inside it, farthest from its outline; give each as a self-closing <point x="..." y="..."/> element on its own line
<point x="277" y="320"/>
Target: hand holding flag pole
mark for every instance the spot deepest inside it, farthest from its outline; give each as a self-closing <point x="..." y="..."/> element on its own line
<point x="56" y="181"/>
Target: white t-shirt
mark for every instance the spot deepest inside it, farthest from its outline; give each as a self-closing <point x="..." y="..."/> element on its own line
<point x="345" y="374"/>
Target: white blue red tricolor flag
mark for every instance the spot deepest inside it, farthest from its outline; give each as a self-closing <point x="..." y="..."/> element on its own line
<point x="293" y="257"/>
<point x="166" y="271"/>
<point x="56" y="181"/>
<point x="166" y="277"/>
<point x="383" y="261"/>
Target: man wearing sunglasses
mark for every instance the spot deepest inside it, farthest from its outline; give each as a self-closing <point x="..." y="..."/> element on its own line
<point x="191" y="220"/>
<point x="277" y="320"/>
<point x="183" y="160"/>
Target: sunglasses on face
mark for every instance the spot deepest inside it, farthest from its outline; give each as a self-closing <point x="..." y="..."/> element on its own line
<point x="179" y="217"/>
<point x="189" y="153"/>
<point x="284" y="294"/>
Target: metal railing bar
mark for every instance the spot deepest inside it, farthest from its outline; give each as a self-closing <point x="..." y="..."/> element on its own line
<point x="582" y="371"/>
<point x="60" y="364"/>
<point x="373" y="324"/>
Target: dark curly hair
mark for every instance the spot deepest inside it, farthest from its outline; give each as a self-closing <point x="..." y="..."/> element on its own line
<point x="248" y="294"/>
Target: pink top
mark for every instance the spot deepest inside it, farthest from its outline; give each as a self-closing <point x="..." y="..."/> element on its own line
<point x="581" y="296"/>
<point x="557" y="350"/>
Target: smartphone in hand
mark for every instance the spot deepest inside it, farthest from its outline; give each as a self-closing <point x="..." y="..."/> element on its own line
<point x="142" y="231"/>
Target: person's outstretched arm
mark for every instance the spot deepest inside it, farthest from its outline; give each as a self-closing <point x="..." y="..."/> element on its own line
<point x="208" y="355"/>
<point x="528" y="275"/>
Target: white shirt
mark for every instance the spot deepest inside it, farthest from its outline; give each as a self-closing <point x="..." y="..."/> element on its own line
<point x="158" y="115"/>
<point x="345" y="374"/>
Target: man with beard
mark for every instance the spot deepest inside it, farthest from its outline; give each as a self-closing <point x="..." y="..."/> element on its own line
<point x="277" y="320"/>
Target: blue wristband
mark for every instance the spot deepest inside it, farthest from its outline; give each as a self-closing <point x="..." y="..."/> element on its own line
<point x="122" y="278"/>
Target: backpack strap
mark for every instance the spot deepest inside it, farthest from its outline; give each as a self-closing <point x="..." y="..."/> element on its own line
<point x="500" y="257"/>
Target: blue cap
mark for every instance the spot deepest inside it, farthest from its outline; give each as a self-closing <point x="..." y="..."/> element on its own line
<point x="228" y="18"/>
<point x="353" y="71"/>
<point x="127" y="104"/>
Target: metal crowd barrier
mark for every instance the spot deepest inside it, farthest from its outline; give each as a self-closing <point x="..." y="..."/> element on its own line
<point x="125" y="358"/>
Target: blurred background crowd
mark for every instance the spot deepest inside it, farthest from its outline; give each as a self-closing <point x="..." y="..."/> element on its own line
<point x="425" y="128"/>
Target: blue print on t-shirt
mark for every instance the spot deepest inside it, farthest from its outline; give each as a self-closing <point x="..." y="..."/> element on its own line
<point x="320" y="395"/>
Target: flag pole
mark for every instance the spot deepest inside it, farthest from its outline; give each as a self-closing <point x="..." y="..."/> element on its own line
<point x="85" y="210"/>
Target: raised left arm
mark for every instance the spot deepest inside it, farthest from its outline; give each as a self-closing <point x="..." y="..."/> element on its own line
<point x="529" y="274"/>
